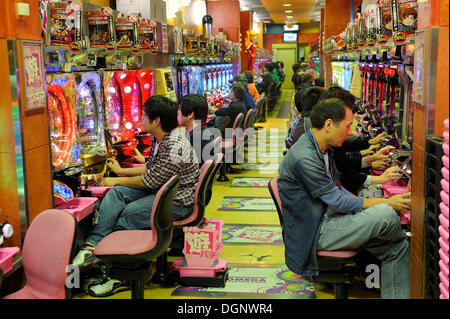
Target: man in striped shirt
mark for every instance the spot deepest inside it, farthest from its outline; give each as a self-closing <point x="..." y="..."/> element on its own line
<point x="128" y="204"/>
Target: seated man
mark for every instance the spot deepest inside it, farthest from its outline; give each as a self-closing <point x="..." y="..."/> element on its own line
<point x="227" y="115"/>
<point x="248" y="98"/>
<point x="320" y="214"/>
<point x="192" y="114"/>
<point x="128" y="204"/>
<point x="251" y="85"/>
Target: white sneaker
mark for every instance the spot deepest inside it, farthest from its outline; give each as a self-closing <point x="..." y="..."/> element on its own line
<point x="84" y="258"/>
<point x="107" y="288"/>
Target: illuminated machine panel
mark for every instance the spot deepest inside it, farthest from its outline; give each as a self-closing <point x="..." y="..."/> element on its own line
<point x="164" y="84"/>
<point x="63" y="120"/>
<point x="145" y="79"/>
<point x="91" y="123"/>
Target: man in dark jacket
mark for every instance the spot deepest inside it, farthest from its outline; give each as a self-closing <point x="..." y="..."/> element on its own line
<point x="248" y="99"/>
<point x="320" y="214"/>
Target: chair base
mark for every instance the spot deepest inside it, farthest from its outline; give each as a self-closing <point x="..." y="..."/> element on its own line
<point x="136" y="276"/>
<point x="218" y="281"/>
<point x="162" y="274"/>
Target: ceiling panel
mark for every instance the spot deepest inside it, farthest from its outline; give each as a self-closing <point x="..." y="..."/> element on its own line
<point x="302" y="10"/>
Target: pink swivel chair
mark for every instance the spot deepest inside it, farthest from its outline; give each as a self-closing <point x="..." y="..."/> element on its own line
<point x="132" y="251"/>
<point x="162" y="275"/>
<point x="229" y="147"/>
<point x="331" y="263"/>
<point x="48" y="249"/>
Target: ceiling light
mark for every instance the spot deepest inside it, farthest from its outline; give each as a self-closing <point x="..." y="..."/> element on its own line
<point x="287" y="5"/>
<point x="288" y="11"/>
<point x="289" y="17"/>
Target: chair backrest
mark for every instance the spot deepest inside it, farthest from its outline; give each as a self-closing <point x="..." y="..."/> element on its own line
<point x="199" y="198"/>
<point x="248" y="123"/>
<point x="161" y="217"/>
<point x="273" y="189"/>
<point x="269" y="89"/>
<point x="238" y="121"/>
<point x="247" y="118"/>
<point x="48" y="249"/>
<point x="261" y="109"/>
<point x="217" y="164"/>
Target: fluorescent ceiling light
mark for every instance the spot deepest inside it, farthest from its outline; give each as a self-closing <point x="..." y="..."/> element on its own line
<point x="287" y="5"/>
<point x="288" y="11"/>
<point x="289" y="17"/>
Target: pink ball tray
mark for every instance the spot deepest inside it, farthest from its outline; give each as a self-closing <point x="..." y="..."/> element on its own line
<point x="6" y="258"/>
<point x="445" y="148"/>
<point x="444" y="256"/>
<point x="80" y="207"/>
<point x="100" y="191"/>
<point x="132" y="165"/>
<point x="392" y="188"/>
<point x="444" y="281"/>
<point x="444" y="221"/>
<point x="444" y="291"/>
<point x="445" y="136"/>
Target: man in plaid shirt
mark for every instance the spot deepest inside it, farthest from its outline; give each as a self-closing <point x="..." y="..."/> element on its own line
<point x="128" y="204"/>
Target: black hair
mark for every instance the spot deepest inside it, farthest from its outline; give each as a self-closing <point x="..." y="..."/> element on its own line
<point x="249" y="76"/>
<point x="305" y="78"/>
<point x="269" y="67"/>
<point x="194" y="103"/>
<point x="164" y="108"/>
<point x="238" y="90"/>
<point x="339" y="93"/>
<point x="333" y="109"/>
<point x="296" y="67"/>
<point x="309" y="98"/>
<point x="280" y="64"/>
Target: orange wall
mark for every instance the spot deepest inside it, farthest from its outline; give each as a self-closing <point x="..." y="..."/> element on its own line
<point x="226" y="18"/>
<point x="269" y="39"/>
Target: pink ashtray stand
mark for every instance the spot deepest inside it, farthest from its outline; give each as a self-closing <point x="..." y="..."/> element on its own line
<point x="6" y="258"/>
<point x="80" y="207"/>
<point x="201" y="251"/>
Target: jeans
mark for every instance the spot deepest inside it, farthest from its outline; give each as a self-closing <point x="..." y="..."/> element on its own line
<point x="378" y="230"/>
<point x="126" y="208"/>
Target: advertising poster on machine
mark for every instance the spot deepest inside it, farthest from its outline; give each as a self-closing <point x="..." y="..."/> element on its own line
<point x="384" y="21"/>
<point x="65" y="25"/>
<point x="147" y="36"/>
<point x="404" y="19"/>
<point x="101" y="29"/>
<point x="33" y="75"/>
<point x="127" y="33"/>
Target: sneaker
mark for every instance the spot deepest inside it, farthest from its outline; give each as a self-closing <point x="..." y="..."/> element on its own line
<point x="85" y="257"/>
<point x="105" y="288"/>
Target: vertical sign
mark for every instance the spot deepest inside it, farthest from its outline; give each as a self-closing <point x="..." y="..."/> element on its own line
<point x="33" y="75"/>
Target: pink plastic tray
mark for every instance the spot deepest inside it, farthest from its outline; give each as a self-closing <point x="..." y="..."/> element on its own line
<point x="443" y="232"/>
<point x="445" y="161"/>
<point x="444" y="171"/>
<point x="444" y="197"/>
<point x="444" y="221"/>
<point x="199" y="271"/>
<point x="445" y="148"/>
<point x="446" y="136"/>
<point x="6" y="258"/>
<point x="444" y="268"/>
<point x="405" y="217"/>
<point x="444" y="185"/>
<point x="100" y="191"/>
<point x="80" y="207"/>
<point x="444" y="291"/>
<point x="375" y="172"/>
<point x="394" y="190"/>
<point x="131" y="165"/>
<point x="444" y="209"/>
<point x="444" y="256"/>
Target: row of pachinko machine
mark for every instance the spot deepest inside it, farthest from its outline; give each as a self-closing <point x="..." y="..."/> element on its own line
<point x="98" y="115"/>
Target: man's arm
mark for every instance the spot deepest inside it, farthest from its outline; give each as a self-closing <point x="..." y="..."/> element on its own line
<point x="114" y="166"/>
<point x="134" y="182"/>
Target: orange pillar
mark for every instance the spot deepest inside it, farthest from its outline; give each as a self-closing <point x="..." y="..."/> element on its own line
<point x="33" y="124"/>
<point x="336" y="17"/>
<point x="428" y="121"/>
